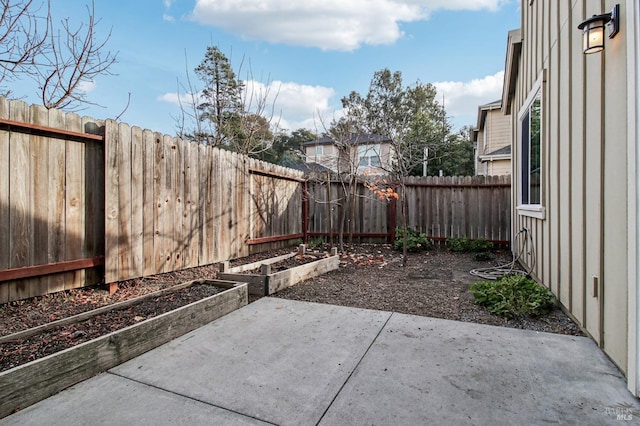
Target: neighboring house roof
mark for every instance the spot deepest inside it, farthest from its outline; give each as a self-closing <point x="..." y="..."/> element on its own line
<point x="311" y="168"/>
<point x="514" y="46"/>
<point x="503" y="153"/>
<point x="505" y="150"/>
<point x="484" y="109"/>
<point x="354" y="139"/>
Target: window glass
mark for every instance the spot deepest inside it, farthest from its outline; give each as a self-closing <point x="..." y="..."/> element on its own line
<point x="369" y="155"/>
<point x="531" y="158"/>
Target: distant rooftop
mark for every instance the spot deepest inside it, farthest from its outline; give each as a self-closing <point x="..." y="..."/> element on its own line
<point x="354" y="139"/>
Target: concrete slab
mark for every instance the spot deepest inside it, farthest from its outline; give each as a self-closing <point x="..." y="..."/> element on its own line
<point x="275" y="360"/>
<point x="287" y="362"/>
<point x="432" y="371"/>
<point x="108" y="399"/>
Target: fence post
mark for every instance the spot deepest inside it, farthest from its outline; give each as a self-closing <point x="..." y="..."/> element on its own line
<point x="305" y="211"/>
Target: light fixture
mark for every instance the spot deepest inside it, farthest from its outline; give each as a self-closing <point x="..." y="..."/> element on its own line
<point x="593" y="36"/>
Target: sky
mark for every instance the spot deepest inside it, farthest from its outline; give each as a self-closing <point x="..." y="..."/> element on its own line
<point x="303" y="55"/>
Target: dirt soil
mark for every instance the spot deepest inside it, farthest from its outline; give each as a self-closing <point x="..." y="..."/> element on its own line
<point x="434" y="283"/>
<point x="20" y="351"/>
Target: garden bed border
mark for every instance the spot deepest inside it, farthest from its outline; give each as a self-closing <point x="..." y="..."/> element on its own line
<point x="29" y="383"/>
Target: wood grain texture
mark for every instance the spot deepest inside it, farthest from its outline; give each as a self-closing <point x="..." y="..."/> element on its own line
<point x="75" y="200"/>
<point x="20" y="214"/>
<point x="112" y="202"/>
<point x="56" y="207"/>
<point x="32" y="382"/>
<point x="137" y="203"/>
<point x="148" y="171"/>
<point x="39" y="199"/>
<point x="4" y="198"/>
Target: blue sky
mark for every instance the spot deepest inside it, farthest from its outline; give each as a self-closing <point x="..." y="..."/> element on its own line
<point x="310" y="52"/>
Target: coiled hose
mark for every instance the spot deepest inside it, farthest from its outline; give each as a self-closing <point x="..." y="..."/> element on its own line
<point x="512" y="268"/>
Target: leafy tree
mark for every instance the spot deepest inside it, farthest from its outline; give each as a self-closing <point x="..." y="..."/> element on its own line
<point x="59" y="58"/>
<point x="454" y="156"/>
<point x="410" y="116"/>
<point x="286" y="149"/>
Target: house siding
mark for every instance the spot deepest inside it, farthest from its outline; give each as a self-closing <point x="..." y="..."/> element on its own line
<point x="580" y="247"/>
<point x="497" y="130"/>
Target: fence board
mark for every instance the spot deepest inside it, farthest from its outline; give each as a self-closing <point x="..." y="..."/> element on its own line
<point x="178" y="188"/>
<point x="20" y="216"/>
<point x="125" y="240"/>
<point x="148" y="202"/>
<point x="4" y="198"/>
<point x="112" y="202"/>
<point x="136" y="197"/>
<point x="75" y="200"/>
<point x="159" y="190"/>
<point x="56" y="215"/>
<point x="39" y="198"/>
<point x="94" y="188"/>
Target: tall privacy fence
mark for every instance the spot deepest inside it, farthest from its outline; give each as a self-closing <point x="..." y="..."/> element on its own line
<point x="84" y="201"/>
<point x="442" y="207"/>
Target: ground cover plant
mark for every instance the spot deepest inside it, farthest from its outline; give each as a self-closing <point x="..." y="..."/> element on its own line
<point x="416" y="240"/>
<point x="513" y="296"/>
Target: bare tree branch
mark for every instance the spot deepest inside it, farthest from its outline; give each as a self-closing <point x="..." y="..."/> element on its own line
<point x="58" y="60"/>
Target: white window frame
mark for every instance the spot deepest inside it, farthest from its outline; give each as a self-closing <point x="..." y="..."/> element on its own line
<point x="524" y="207"/>
<point x="319" y="150"/>
<point x="369" y="152"/>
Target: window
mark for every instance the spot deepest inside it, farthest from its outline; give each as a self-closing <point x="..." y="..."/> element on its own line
<point x="369" y="155"/>
<point x="530" y="167"/>
<point x="319" y="150"/>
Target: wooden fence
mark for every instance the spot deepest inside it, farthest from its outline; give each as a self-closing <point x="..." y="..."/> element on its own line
<point x="442" y="207"/>
<point x="84" y="201"/>
<point x="51" y="201"/>
<point x="173" y="204"/>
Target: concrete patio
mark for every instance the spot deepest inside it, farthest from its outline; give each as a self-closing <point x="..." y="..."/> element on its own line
<point x="285" y="362"/>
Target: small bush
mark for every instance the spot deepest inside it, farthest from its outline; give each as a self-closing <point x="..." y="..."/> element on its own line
<point x="512" y="296"/>
<point x="315" y="243"/>
<point x="467" y="245"/>
<point x="416" y="241"/>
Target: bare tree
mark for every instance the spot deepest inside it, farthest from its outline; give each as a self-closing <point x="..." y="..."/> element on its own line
<point x="59" y="58"/>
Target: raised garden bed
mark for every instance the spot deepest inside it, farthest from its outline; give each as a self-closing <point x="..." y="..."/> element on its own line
<point x="269" y="276"/>
<point x="29" y="383"/>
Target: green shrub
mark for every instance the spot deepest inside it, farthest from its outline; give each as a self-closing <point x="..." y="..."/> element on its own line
<point x="512" y="296"/>
<point x="416" y="241"/>
<point x="467" y="245"/>
<point x="315" y="242"/>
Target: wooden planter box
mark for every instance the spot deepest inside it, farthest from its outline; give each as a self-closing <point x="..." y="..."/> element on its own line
<point x="267" y="283"/>
<point x="32" y="382"/>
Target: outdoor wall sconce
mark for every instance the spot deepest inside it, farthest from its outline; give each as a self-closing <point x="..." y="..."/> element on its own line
<point x="593" y="36"/>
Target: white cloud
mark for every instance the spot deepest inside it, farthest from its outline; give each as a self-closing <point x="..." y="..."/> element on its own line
<point x="168" y="18"/>
<point x="462" y="98"/>
<point x="327" y="24"/>
<point x="290" y="105"/>
<point x="87" y="86"/>
<point x="185" y="99"/>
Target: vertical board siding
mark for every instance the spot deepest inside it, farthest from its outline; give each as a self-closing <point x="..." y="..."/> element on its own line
<point x="441" y="207"/>
<point x="173" y="204"/>
<point x="51" y="199"/>
<point x="578" y="246"/>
